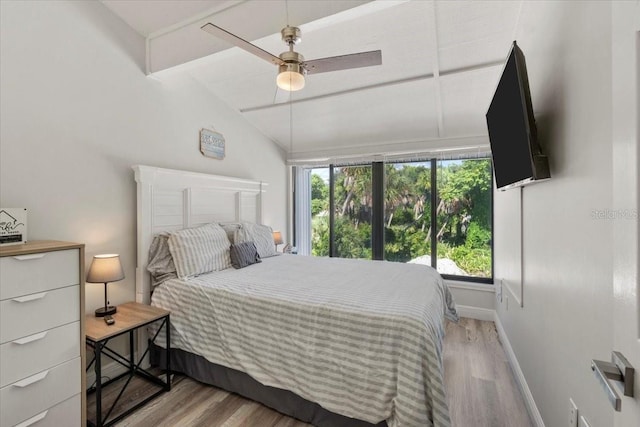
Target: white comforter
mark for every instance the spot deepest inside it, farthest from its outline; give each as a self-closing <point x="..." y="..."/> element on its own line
<point x="360" y="338"/>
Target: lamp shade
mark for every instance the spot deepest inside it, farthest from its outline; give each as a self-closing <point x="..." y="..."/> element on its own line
<point x="105" y="268"/>
<point x="290" y="77"/>
<point x="277" y="237"/>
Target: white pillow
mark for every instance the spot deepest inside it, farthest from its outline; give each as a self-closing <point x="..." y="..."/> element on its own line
<point x="261" y="235"/>
<point x="200" y="250"/>
<point x="231" y="228"/>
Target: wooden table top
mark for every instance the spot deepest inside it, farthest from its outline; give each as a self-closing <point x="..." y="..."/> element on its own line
<point x="129" y="316"/>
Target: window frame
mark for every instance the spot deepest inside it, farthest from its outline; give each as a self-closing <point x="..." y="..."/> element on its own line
<point x="378" y="198"/>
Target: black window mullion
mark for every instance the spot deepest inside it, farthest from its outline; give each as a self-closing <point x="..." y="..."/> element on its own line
<point x="434" y="219"/>
<point x="377" y="214"/>
<point x="332" y="213"/>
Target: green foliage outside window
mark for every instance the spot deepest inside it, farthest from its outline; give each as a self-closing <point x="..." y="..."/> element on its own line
<point x="463" y="226"/>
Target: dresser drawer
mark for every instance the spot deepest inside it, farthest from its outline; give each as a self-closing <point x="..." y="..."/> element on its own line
<point x="33" y="395"/>
<point x="28" y="274"/>
<point x="30" y="314"/>
<point x="34" y="353"/>
<point x="64" y="414"/>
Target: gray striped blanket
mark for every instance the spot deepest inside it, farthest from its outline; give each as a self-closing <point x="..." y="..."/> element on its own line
<point x="360" y="338"/>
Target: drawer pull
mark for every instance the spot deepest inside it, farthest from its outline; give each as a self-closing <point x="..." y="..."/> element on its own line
<point x="33" y="419"/>
<point x="32" y="379"/>
<point x="28" y="257"/>
<point x="31" y="338"/>
<point x="31" y="297"/>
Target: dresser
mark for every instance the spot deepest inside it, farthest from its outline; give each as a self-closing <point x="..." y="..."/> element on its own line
<point x="42" y="351"/>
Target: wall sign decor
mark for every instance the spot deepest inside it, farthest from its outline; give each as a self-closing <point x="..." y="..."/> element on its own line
<point x="13" y="226"/>
<point x="212" y="144"/>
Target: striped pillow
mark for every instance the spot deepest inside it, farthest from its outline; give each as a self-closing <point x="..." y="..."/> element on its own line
<point x="261" y="235"/>
<point x="200" y="250"/>
<point x="231" y="228"/>
<point x="244" y="254"/>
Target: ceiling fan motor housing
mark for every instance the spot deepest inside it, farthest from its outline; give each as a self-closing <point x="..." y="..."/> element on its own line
<point x="292" y="62"/>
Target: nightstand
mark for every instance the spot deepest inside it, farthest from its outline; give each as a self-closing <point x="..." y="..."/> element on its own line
<point x="130" y="317"/>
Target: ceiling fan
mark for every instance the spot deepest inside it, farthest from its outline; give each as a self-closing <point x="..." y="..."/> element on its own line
<point x="292" y="66"/>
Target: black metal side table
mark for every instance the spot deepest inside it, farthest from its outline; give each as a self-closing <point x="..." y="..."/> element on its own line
<point x="129" y="318"/>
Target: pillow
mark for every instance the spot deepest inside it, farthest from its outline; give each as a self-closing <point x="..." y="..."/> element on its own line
<point x="200" y="250"/>
<point x="261" y="235"/>
<point x="160" y="263"/>
<point x="244" y="254"/>
<point x="230" y="228"/>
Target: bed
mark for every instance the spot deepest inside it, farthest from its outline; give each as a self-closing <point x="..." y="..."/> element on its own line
<point x="329" y="341"/>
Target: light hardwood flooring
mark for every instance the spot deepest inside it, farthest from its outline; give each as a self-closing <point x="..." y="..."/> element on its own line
<point x="479" y="383"/>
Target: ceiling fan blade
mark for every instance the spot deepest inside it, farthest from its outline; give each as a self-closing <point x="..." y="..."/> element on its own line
<point x="241" y="43"/>
<point x="343" y="62"/>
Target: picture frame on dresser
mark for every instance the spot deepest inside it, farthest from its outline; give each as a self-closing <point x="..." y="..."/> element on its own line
<point x="42" y="357"/>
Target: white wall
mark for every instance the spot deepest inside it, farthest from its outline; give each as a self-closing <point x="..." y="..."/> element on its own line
<point x="77" y="112"/>
<point x="567" y="263"/>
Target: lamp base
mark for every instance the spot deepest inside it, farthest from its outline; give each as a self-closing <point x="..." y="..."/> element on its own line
<point x="101" y="312"/>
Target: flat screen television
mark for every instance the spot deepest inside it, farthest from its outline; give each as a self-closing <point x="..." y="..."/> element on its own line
<point x="517" y="158"/>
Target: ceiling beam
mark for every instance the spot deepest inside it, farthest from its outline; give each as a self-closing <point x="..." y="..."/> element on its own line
<point x="420" y="77"/>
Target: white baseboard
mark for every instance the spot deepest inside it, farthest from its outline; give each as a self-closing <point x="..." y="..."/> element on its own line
<point x="475" y="312"/>
<point x="534" y="413"/>
<point x="111" y="370"/>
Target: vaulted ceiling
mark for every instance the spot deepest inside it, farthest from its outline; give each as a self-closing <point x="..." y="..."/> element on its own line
<point x="441" y="61"/>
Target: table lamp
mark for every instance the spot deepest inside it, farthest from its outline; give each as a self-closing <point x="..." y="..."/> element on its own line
<point x="105" y="269"/>
<point x="277" y="239"/>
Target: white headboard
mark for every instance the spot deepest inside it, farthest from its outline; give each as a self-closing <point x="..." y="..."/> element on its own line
<point x="173" y="199"/>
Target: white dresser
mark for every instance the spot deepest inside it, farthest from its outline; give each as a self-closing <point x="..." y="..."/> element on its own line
<point x="42" y="351"/>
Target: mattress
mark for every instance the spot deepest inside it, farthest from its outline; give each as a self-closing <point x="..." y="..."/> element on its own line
<point x="360" y="338"/>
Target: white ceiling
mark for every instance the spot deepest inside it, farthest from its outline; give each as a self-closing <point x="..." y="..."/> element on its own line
<point x="440" y="64"/>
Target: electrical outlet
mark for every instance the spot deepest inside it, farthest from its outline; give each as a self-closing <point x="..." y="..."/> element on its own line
<point x="499" y="290"/>
<point x="573" y="414"/>
<point x="584" y="422"/>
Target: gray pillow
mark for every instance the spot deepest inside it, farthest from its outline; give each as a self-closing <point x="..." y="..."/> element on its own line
<point x="160" y="264"/>
<point x="244" y="254"/>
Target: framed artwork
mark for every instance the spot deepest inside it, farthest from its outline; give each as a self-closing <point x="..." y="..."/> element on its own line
<point x="212" y="144"/>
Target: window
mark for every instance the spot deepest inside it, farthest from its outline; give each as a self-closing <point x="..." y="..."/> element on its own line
<point x="352" y="212"/>
<point x="434" y="212"/>
<point x="464" y="218"/>
<point x="407" y="212"/>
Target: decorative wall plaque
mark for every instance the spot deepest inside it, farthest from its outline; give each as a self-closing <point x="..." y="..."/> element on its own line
<point x="212" y="144"/>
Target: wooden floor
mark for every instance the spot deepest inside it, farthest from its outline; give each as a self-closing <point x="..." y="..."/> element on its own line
<point x="479" y="383"/>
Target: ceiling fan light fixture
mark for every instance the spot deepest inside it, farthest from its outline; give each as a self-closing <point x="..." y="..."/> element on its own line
<point x="290" y="77"/>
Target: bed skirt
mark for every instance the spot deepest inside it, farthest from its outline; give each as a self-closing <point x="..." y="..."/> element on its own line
<point x="283" y="401"/>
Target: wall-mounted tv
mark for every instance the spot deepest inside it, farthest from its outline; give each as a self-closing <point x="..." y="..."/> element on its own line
<point x="517" y="158"/>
